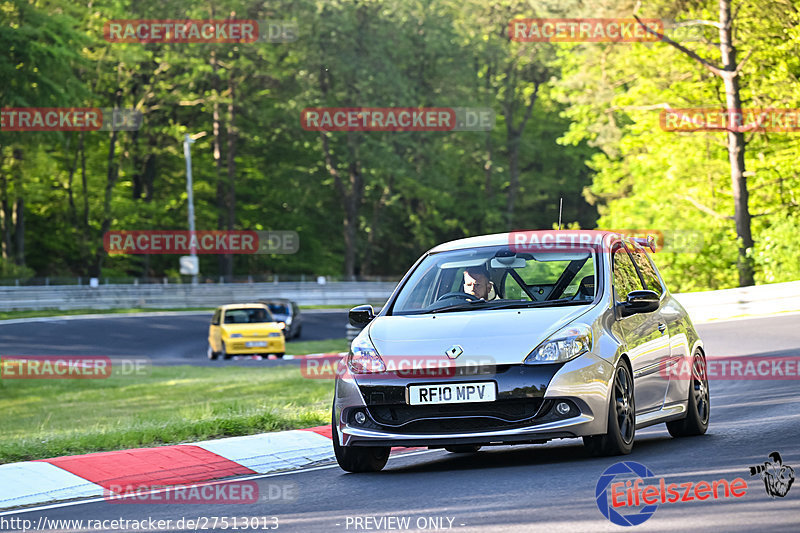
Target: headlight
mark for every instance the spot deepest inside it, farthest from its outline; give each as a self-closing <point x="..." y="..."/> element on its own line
<point x="564" y="345"/>
<point x="235" y="335"/>
<point x="274" y="334"/>
<point x="288" y="321"/>
<point x="282" y="325"/>
<point x="364" y="358"/>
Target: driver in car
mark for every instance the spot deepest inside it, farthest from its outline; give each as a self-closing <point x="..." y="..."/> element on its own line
<point x="476" y="283"/>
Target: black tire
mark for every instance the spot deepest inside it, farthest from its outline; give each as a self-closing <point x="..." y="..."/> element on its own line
<point x="224" y="353"/>
<point x="621" y="430"/>
<point x="297" y="335"/>
<point x="463" y="448"/>
<point x="280" y="355"/>
<point x="359" y="459"/>
<point x="212" y="355"/>
<point x="698" y="411"/>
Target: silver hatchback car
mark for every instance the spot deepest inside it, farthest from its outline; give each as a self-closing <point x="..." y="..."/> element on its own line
<point x="520" y="338"/>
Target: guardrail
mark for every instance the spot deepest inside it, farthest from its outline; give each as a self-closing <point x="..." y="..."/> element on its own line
<point x="743" y="301"/>
<point x="702" y="306"/>
<point x="187" y="295"/>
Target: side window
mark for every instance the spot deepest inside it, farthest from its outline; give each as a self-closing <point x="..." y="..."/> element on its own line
<point x="512" y="290"/>
<point x="647" y="269"/>
<point x="625" y="277"/>
<point x="215" y="318"/>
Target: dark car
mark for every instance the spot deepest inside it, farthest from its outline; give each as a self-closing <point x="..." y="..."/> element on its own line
<point x="287" y="313"/>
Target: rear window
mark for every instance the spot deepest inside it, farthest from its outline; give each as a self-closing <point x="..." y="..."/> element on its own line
<point x="247" y="316"/>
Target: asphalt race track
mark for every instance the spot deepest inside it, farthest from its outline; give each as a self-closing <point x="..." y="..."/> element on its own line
<point x="547" y="487"/>
<point x="168" y="339"/>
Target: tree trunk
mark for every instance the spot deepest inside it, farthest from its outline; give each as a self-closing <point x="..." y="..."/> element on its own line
<point x="111" y="179"/>
<point x="232" y="138"/>
<point x="377" y="208"/>
<point x="6" y="217"/>
<point x="84" y="246"/>
<point x="513" y="174"/>
<point x="19" y="238"/>
<point x="736" y="148"/>
<point x="514" y="136"/>
<point x="225" y="260"/>
<point x="19" y="212"/>
<point x="736" y="143"/>
<point x="350" y="196"/>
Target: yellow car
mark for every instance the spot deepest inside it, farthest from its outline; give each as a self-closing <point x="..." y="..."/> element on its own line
<point x="244" y="329"/>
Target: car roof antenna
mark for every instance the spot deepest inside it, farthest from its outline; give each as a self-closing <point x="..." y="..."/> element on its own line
<point x="560" y="205"/>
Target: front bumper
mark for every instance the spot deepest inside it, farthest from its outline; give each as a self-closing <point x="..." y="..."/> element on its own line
<point x="524" y="411"/>
<point x="239" y="346"/>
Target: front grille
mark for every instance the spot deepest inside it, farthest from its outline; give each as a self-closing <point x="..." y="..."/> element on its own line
<point x="456" y="417"/>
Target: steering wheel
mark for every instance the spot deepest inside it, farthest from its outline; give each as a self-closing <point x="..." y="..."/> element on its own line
<point x="467" y="296"/>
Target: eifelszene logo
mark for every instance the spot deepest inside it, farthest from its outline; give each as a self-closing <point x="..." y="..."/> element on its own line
<point x="631" y="492"/>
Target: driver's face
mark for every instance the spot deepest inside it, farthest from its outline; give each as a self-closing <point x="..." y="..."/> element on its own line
<point x="477" y="286"/>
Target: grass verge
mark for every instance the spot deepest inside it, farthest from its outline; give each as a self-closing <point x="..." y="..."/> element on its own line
<point x="50" y="418"/>
<point x="326" y="346"/>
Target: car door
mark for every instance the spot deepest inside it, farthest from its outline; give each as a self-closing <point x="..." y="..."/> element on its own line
<point x="671" y="317"/>
<point x="647" y="346"/>
<point x="214" y="332"/>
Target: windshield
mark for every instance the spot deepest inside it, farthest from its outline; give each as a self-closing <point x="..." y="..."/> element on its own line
<point x="247" y="316"/>
<point x="497" y="278"/>
<point x="279" y="309"/>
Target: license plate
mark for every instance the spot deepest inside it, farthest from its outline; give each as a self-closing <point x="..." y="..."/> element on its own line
<point x="485" y="391"/>
<point x="256" y="344"/>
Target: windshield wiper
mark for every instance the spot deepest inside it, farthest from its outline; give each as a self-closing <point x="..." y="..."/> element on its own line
<point x="492" y="304"/>
<point x="466" y="306"/>
<point x="541" y="303"/>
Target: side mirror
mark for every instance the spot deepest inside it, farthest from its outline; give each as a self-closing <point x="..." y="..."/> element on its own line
<point x="639" y="302"/>
<point x="362" y="315"/>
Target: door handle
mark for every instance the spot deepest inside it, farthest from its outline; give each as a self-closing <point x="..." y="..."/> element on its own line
<point x="662" y="327"/>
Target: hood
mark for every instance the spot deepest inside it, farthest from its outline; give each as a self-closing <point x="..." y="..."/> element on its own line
<point x="506" y="336"/>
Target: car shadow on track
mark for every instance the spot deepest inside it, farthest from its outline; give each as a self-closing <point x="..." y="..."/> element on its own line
<point x="531" y="455"/>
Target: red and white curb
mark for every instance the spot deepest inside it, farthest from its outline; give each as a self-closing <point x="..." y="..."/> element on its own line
<point x="96" y="474"/>
<point x="101" y="474"/>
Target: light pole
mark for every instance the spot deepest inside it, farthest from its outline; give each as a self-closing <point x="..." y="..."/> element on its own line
<point x="187" y="141"/>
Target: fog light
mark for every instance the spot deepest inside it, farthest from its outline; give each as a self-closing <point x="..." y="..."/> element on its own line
<point x="562" y="408"/>
<point x="360" y="417"/>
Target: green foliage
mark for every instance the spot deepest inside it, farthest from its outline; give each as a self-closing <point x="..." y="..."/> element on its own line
<point x="593" y="137"/>
<point x="777" y="254"/>
<point x="418" y="188"/>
